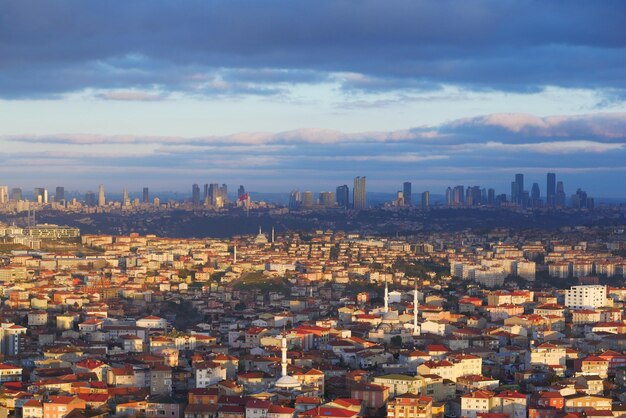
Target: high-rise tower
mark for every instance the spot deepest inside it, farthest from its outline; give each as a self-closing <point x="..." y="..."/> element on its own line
<point x="406" y="191"/>
<point x="551" y="189"/>
<point x="4" y="194"/>
<point x="359" y="194"/>
<point x="195" y="195"/>
<point x="342" y="194"/>
<point x="519" y="188"/>
<point x="59" y="195"/>
<point x="101" y="197"/>
<point x="425" y="200"/>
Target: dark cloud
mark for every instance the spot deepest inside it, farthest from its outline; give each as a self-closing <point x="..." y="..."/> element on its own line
<point x="51" y="48"/>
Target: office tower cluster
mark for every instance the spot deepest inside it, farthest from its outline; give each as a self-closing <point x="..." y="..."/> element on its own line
<point x="473" y="196"/>
<point x="214" y="195"/>
<point x="523" y="194"/>
<point x="555" y="196"/>
<point x="21" y="201"/>
<point x="404" y="197"/>
<point x="340" y="198"/>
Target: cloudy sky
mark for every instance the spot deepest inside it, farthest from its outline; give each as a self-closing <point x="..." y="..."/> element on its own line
<point x="279" y="95"/>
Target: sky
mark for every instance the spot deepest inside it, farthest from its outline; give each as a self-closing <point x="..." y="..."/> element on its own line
<point x="282" y="95"/>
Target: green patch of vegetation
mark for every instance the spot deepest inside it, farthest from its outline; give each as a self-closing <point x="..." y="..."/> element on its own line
<point x="217" y="276"/>
<point x="358" y="286"/>
<point x="185" y="273"/>
<point x="396" y="341"/>
<point x="421" y="268"/>
<point x="256" y="280"/>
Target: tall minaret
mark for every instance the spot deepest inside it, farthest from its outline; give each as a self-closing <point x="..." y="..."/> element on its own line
<point x="235" y="254"/>
<point x="386" y="309"/>
<point x="415" y="309"/>
<point x="272" y="234"/>
<point x="283" y="349"/>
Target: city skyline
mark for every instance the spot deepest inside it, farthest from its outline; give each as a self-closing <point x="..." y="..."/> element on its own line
<point x="455" y="94"/>
<point x="217" y="197"/>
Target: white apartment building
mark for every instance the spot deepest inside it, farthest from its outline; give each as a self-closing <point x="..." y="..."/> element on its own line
<point x="585" y="297"/>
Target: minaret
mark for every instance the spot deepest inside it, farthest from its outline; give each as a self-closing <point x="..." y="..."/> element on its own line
<point x="272" y="234"/>
<point x="283" y="349"/>
<point x="415" y="309"/>
<point x="235" y="254"/>
<point x="386" y="309"/>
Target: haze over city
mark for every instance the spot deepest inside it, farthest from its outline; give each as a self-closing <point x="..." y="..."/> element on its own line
<point x="282" y="95"/>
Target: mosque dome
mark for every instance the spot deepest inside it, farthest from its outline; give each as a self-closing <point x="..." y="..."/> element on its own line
<point x="287" y="382"/>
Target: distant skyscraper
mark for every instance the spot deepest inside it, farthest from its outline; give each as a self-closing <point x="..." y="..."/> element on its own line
<point x="491" y="196"/>
<point x="399" y="199"/>
<point x="327" y="199"/>
<point x="343" y="196"/>
<point x="215" y="197"/>
<point x="551" y="189"/>
<point x="307" y="199"/>
<point x="473" y="196"/>
<point x="519" y="185"/>
<point x="359" y="193"/>
<point x="125" y="198"/>
<point x="560" y="194"/>
<point x="195" y="195"/>
<point x="224" y="193"/>
<point x="146" y="195"/>
<point x="40" y="195"/>
<point x="59" y="195"/>
<point x="90" y="198"/>
<point x="458" y="195"/>
<point x="241" y="191"/>
<point x="294" y="199"/>
<point x="16" y="194"/>
<point x="406" y="191"/>
<point x="535" y="194"/>
<point x="425" y="200"/>
<point x="101" y="197"/>
<point x="449" y="196"/>
<point x="4" y="194"/>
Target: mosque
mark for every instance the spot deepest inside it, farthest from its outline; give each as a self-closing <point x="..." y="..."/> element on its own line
<point x="286" y="382"/>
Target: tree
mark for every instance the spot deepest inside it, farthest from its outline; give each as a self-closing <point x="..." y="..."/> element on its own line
<point x="396" y="341"/>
